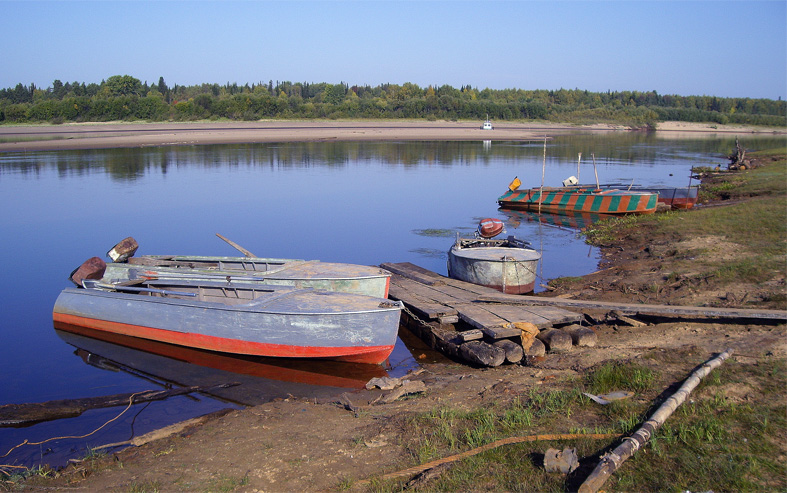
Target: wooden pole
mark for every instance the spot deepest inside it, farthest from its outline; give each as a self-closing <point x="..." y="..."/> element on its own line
<point x="579" y="158"/>
<point x="543" y="170"/>
<point x="234" y="245"/>
<point x="611" y="462"/>
<point x="593" y="155"/>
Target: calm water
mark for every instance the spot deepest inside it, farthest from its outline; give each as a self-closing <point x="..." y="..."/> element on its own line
<point x="364" y="203"/>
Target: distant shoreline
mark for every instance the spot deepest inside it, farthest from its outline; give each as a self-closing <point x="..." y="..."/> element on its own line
<point x="21" y="138"/>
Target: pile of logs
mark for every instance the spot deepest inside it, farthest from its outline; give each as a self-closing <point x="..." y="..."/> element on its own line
<point x="530" y="347"/>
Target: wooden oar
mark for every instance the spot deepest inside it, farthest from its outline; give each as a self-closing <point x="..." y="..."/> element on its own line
<point x="92" y="284"/>
<point x="237" y="247"/>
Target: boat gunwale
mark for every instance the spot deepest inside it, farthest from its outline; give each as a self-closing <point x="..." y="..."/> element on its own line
<point x="246" y="307"/>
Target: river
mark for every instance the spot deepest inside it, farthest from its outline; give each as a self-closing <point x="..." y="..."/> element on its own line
<point x="356" y="202"/>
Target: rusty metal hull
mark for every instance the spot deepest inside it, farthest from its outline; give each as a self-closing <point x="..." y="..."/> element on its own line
<point x="496" y="264"/>
<point x="240" y="318"/>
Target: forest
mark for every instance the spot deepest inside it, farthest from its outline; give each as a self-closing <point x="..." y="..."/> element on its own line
<point x="126" y="98"/>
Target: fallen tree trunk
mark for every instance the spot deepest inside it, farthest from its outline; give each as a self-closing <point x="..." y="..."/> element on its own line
<point x="27" y="414"/>
<point x="611" y="462"/>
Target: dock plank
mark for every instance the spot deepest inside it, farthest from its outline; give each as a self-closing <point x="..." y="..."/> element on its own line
<point x="448" y="300"/>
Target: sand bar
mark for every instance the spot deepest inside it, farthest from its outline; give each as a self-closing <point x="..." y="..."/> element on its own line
<point x="23" y="138"/>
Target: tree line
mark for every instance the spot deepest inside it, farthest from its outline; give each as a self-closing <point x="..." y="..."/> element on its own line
<point x="126" y="98"/>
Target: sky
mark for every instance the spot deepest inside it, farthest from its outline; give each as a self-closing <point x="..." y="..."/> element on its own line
<point x="713" y="48"/>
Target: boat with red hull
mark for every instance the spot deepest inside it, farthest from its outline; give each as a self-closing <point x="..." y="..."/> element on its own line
<point x="276" y="321"/>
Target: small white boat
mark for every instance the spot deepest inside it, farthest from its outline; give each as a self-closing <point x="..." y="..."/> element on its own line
<point x="487" y="124"/>
<point x="507" y="265"/>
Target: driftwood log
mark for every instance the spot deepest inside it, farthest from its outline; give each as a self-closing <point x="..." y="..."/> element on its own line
<point x="581" y="335"/>
<point x="15" y="415"/>
<point x="514" y="352"/>
<point x="555" y="340"/>
<point x="481" y="353"/>
<point x="611" y="462"/>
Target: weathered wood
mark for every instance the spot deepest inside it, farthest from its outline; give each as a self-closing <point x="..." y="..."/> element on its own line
<point x="26" y="414"/>
<point x="635" y="309"/>
<point x="414" y="272"/>
<point x="479" y="318"/>
<point x="555" y="340"/>
<point x="501" y="332"/>
<point x="483" y="354"/>
<point x="611" y="462"/>
<point x="234" y="245"/>
<point x="513" y="314"/>
<point x="581" y="335"/>
<point x="536" y="349"/>
<point x="514" y="352"/>
<point x="471" y="335"/>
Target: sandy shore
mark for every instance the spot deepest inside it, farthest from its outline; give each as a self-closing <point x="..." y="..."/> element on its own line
<point x="109" y="135"/>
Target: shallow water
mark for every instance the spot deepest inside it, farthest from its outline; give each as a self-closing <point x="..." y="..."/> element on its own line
<point x="360" y="202"/>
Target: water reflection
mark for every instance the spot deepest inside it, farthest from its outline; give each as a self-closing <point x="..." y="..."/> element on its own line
<point x="624" y="148"/>
<point x="259" y="380"/>
<point x="575" y="221"/>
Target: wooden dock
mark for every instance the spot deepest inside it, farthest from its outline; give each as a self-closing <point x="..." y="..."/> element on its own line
<point x="478" y="324"/>
<point x="446" y="313"/>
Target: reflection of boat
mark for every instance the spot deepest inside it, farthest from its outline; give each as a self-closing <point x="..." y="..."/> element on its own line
<point x="347" y="278"/>
<point x="675" y="197"/>
<point x="260" y="379"/>
<point x="235" y="318"/>
<point x="568" y="220"/>
<point x="579" y="199"/>
<point x="507" y="265"/>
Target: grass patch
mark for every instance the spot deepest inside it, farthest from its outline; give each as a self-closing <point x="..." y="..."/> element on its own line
<point x="754" y="231"/>
<point x="716" y="441"/>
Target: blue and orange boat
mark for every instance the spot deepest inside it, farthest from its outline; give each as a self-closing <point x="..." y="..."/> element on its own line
<point x="564" y="200"/>
<point x="246" y="319"/>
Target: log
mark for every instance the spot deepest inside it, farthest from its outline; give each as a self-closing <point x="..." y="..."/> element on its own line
<point x="581" y="335"/>
<point x="636" y="308"/>
<point x="14" y="415"/>
<point x="535" y="352"/>
<point x="483" y="354"/>
<point x="471" y="335"/>
<point x="514" y="352"/>
<point x="537" y="349"/>
<point x="610" y="462"/>
<point x="555" y="340"/>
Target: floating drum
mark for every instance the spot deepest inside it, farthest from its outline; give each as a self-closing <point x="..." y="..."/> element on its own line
<point x="489" y="227"/>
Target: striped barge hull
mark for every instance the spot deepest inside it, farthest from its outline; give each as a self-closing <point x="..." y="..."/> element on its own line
<point x="564" y="200"/>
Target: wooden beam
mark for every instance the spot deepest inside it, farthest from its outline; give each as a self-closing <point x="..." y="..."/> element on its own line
<point x="634" y="308"/>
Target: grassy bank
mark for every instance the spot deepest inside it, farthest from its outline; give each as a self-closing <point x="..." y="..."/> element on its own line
<point x="720" y="440"/>
<point x="744" y="227"/>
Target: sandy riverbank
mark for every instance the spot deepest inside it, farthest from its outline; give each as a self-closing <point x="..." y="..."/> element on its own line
<point x="111" y="135"/>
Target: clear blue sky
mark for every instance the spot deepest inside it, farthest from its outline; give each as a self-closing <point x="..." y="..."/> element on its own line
<point x="718" y="48"/>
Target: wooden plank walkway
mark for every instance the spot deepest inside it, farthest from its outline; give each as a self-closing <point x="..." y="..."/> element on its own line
<point x="448" y="301"/>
